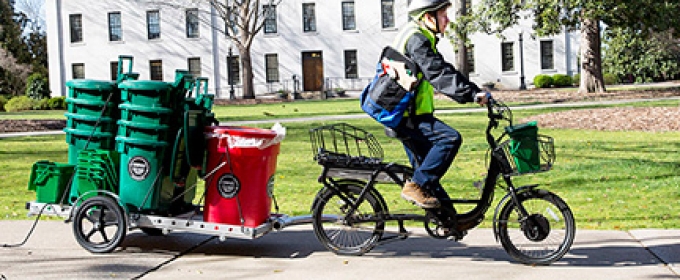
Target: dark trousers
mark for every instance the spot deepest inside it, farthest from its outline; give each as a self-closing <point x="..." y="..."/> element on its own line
<point x="431" y="146"/>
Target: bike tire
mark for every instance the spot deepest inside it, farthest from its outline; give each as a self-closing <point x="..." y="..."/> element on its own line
<point x="99" y="224"/>
<point x="341" y="236"/>
<point x="543" y="237"/>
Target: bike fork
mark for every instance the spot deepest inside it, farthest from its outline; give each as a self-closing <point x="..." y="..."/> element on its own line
<point x="513" y="196"/>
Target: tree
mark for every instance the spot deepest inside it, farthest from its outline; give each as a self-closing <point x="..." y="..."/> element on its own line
<point x="14" y="56"/>
<point x="635" y="58"/>
<point x="555" y="16"/>
<point x="243" y="19"/>
<point x="246" y="18"/>
<point x="460" y="28"/>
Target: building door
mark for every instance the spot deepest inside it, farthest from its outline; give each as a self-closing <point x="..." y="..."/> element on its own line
<point x="312" y="71"/>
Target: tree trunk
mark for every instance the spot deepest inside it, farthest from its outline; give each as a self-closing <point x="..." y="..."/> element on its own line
<point x="461" y="47"/>
<point x="591" y="57"/>
<point x="247" y="66"/>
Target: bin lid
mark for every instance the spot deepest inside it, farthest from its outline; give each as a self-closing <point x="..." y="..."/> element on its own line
<point x="91" y="84"/>
<point x="145" y="85"/>
<point x="242" y="131"/>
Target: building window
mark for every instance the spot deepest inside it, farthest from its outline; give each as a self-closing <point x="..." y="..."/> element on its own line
<point x="194" y="66"/>
<point x="233" y="73"/>
<point x="153" y="24"/>
<point x="272" y="64"/>
<point x="114" y="70"/>
<point x="115" y="27"/>
<point x="508" y="56"/>
<point x="78" y="70"/>
<point x="76" y="24"/>
<point x="547" y="61"/>
<point x="351" y="64"/>
<point x="156" y="70"/>
<point x="192" y="23"/>
<point x="348" y="18"/>
<point x="270" y="19"/>
<point x="387" y="7"/>
<point x="308" y="17"/>
<point x="471" y="58"/>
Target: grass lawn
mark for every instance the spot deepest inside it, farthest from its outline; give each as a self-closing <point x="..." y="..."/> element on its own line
<point x="611" y="180"/>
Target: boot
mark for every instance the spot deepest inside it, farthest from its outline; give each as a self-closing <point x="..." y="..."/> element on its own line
<point x="420" y="197"/>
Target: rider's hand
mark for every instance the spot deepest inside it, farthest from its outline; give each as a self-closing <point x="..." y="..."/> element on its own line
<point x="482" y="97"/>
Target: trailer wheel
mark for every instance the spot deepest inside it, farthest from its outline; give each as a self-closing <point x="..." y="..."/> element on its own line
<point x="99" y="225"/>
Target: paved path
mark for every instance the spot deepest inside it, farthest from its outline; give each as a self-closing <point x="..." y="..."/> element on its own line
<point x="294" y="253"/>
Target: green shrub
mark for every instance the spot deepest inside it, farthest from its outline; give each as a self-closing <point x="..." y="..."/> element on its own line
<point x="561" y="80"/>
<point x="57" y="103"/>
<point x="20" y="103"/>
<point x="610" y="79"/>
<point x="3" y="101"/>
<point x="543" y="81"/>
<point x="42" y="104"/>
<point x="37" y="87"/>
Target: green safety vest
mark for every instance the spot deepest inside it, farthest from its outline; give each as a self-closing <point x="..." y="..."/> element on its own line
<point x="425" y="91"/>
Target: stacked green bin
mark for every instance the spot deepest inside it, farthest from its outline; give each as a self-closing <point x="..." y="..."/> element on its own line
<point x="97" y="171"/>
<point x="524" y="147"/>
<point x="50" y="180"/>
<point x="92" y="111"/>
<point x="146" y="126"/>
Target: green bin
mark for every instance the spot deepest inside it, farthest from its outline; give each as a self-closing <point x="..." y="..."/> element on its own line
<point x="90" y="123"/>
<point x="146" y="93"/>
<point x="91" y="107"/>
<point x="524" y="146"/>
<point x="138" y="130"/>
<point x="92" y="90"/>
<point x="79" y="140"/>
<point x="97" y="170"/>
<point x="50" y="180"/>
<point x="142" y="174"/>
<point x="145" y="114"/>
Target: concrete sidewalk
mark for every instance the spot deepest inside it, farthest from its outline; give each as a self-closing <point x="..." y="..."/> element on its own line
<point x="294" y="253"/>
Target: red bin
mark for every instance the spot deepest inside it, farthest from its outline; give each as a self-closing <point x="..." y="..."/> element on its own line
<point x="242" y="161"/>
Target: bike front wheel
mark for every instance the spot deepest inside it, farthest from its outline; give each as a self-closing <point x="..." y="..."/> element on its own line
<point x="344" y="233"/>
<point x="543" y="236"/>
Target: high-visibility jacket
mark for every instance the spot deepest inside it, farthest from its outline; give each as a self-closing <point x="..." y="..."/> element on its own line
<point x="420" y="45"/>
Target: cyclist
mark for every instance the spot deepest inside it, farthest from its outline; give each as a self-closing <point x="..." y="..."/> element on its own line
<point x="432" y="145"/>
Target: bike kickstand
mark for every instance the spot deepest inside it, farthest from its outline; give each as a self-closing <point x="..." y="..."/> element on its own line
<point x="403" y="234"/>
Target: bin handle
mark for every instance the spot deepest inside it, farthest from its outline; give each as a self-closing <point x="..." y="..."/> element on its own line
<point x="121" y="58"/>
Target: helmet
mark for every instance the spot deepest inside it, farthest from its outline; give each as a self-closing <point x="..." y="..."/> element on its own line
<point x="419" y="7"/>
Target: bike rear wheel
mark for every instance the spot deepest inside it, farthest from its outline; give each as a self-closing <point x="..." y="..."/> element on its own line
<point x="355" y="234"/>
<point x="542" y="237"/>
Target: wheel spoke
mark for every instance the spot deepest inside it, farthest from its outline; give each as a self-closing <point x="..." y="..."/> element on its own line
<point x="89" y="235"/>
<point x="542" y="237"/>
<point x="99" y="225"/>
<point x="353" y="235"/>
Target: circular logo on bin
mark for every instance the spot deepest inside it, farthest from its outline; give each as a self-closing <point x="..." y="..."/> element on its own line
<point x="270" y="187"/>
<point x="228" y="186"/>
<point x="138" y="168"/>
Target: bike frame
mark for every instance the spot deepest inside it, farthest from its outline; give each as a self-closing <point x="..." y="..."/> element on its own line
<point x="398" y="174"/>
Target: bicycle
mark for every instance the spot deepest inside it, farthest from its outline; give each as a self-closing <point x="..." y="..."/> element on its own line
<point x="349" y="214"/>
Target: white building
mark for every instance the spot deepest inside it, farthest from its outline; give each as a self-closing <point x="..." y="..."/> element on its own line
<point x="325" y="43"/>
